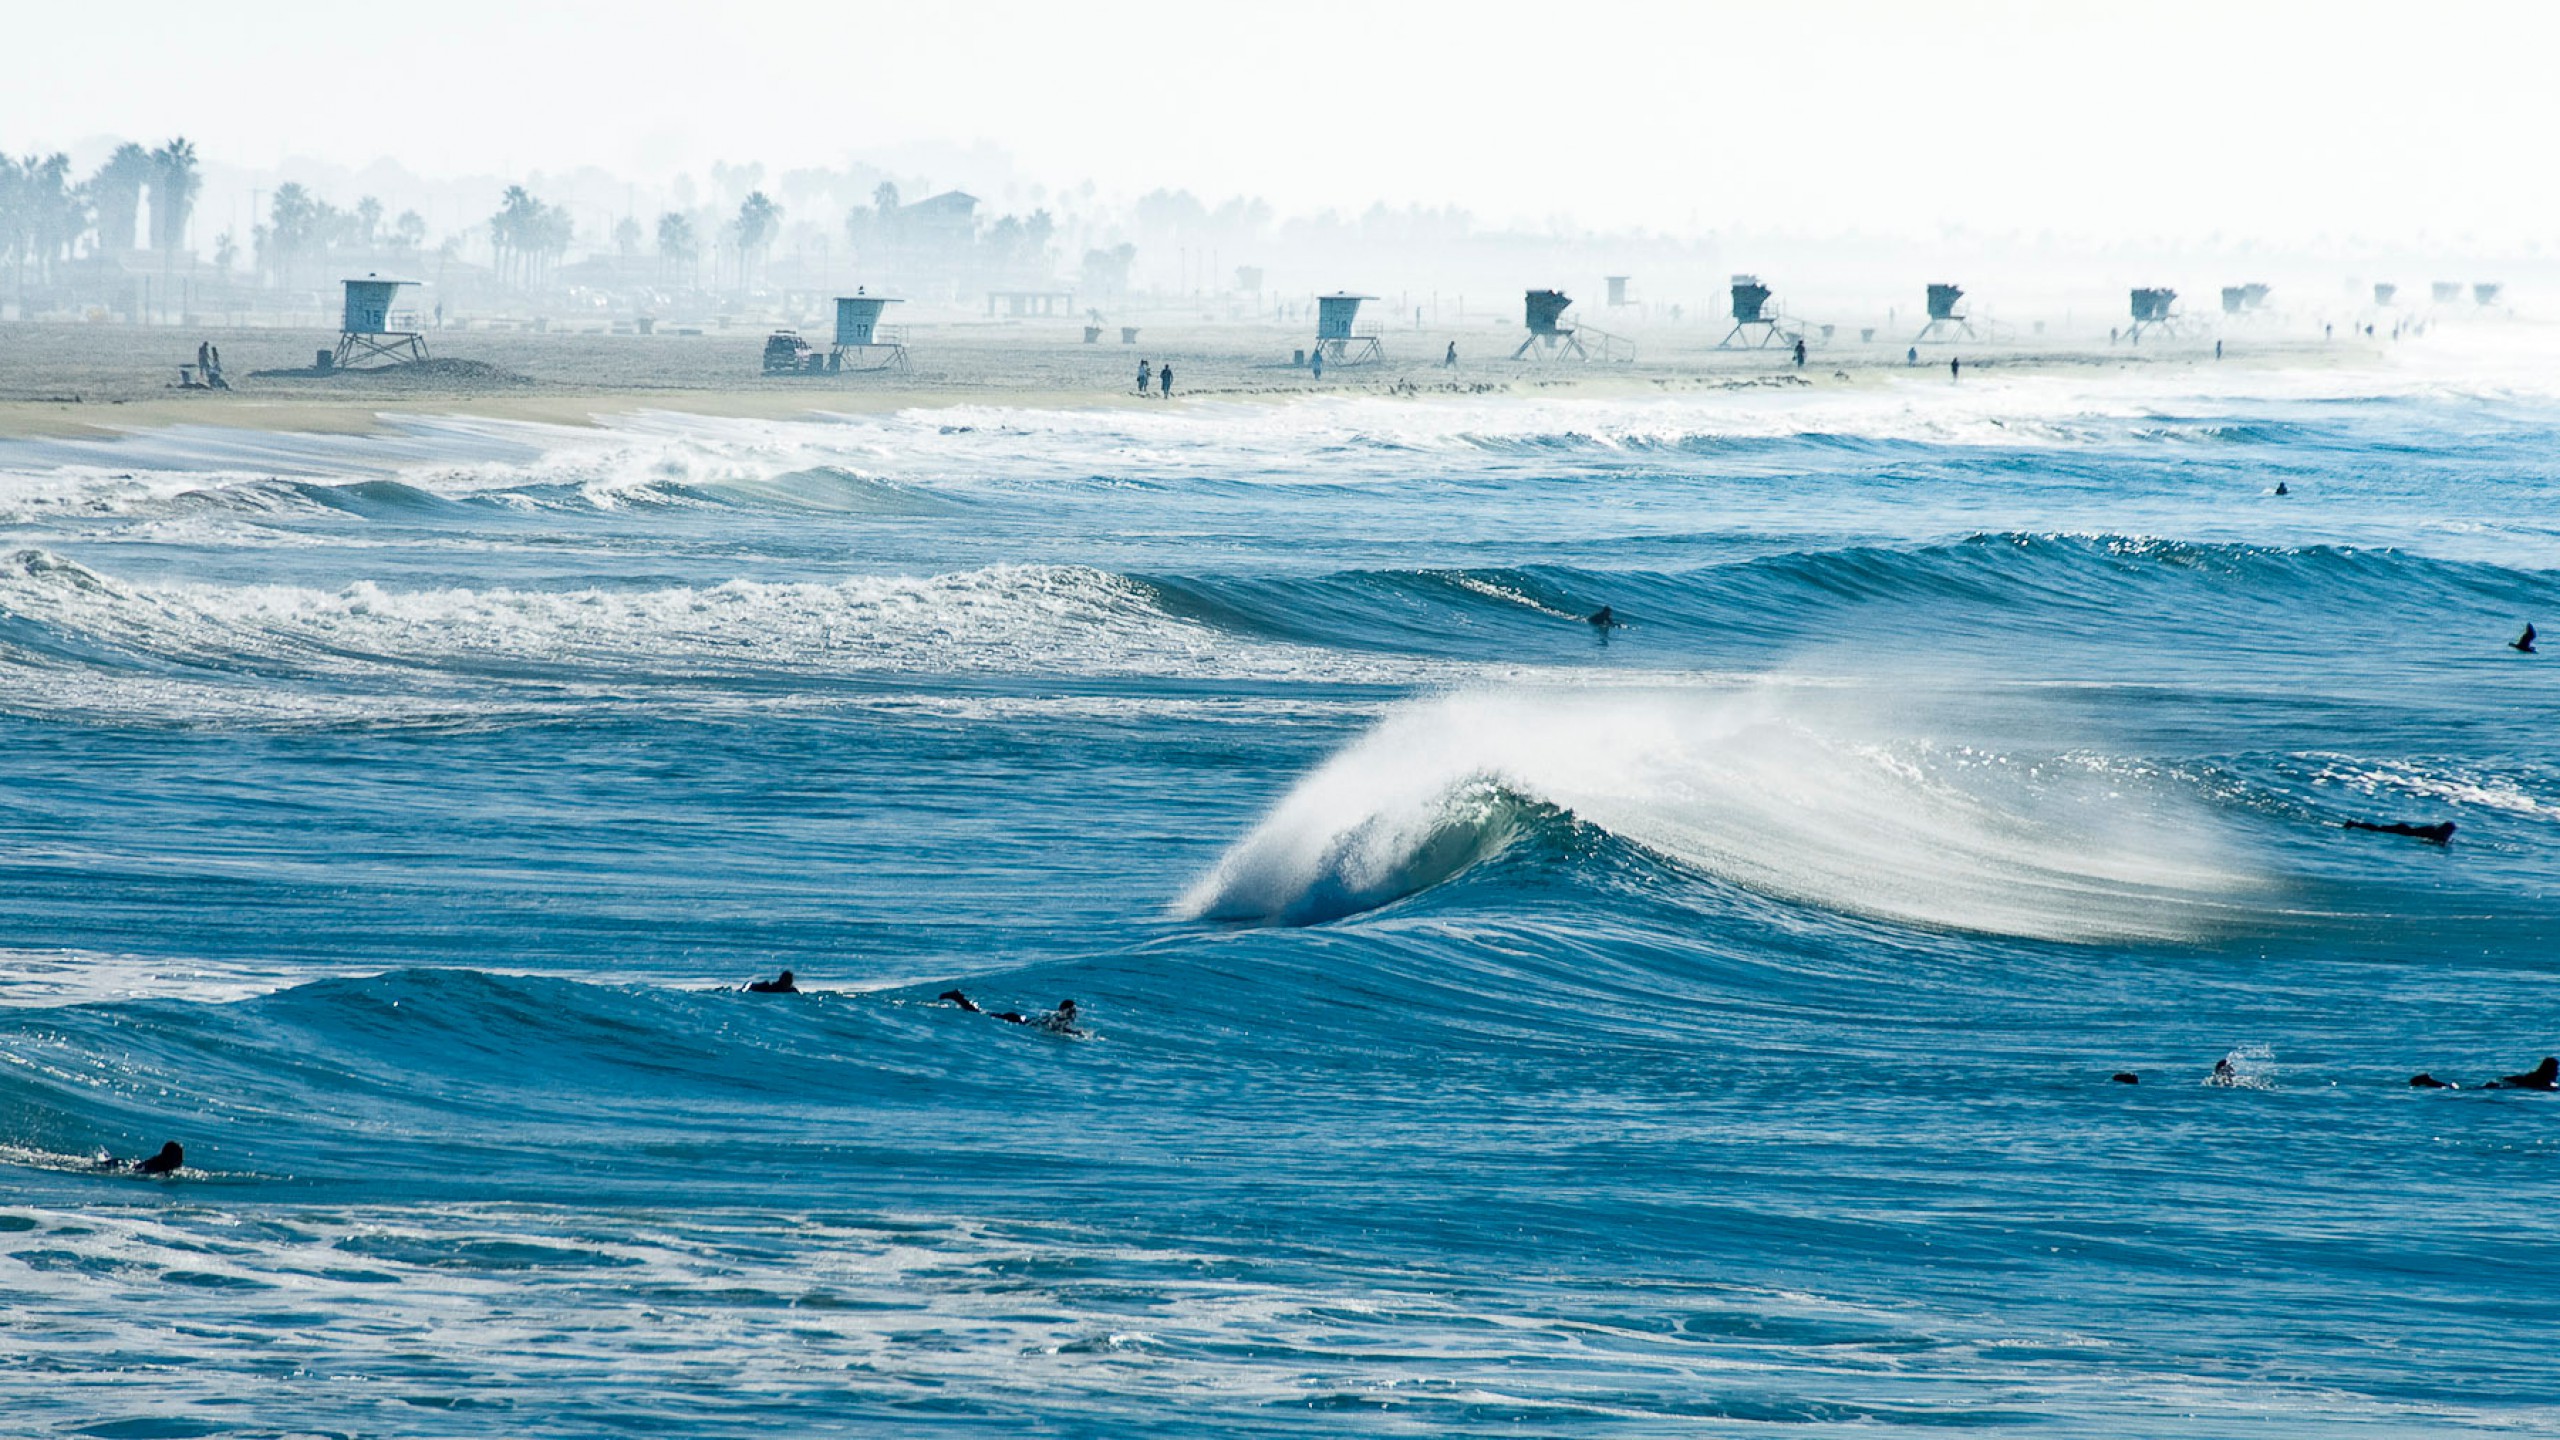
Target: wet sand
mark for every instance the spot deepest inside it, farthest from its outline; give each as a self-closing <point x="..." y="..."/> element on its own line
<point x="60" y="379"/>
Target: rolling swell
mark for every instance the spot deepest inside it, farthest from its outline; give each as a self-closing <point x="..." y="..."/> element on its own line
<point x="1999" y="584"/>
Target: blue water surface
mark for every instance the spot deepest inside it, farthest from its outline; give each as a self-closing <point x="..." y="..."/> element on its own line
<point x="1490" y="1023"/>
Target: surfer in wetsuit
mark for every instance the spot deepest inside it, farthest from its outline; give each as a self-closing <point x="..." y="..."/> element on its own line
<point x="1061" y="1021"/>
<point x="2545" y="1076"/>
<point x="2440" y="833"/>
<point x="1603" y="619"/>
<point x="779" y="985"/>
<point x="2523" y="643"/>
<point x="172" y="1157"/>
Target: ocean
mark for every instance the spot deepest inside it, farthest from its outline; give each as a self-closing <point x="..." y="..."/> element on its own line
<point x="1489" y="1023"/>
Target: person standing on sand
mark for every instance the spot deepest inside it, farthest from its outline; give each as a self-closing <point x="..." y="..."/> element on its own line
<point x="1146" y="376"/>
<point x="1955" y="367"/>
<point x="1164" y="377"/>
<point x="1799" y="352"/>
<point x="1315" y="362"/>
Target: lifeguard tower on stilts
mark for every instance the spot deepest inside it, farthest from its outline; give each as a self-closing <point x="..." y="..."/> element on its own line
<point x="1551" y="339"/>
<point x="862" y="342"/>
<point x="1946" y="321"/>
<point x="371" y="329"/>
<point x="1336" y="338"/>
<point x="2151" y="311"/>
<point x="2247" y="299"/>
<point x="1751" y="312"/>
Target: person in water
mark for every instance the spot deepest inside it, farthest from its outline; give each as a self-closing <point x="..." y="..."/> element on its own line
<point x="2125" y="1077"/>
<point x="781" y="984"/>
<point x="1603" y="618"/>
<point x="2523" y="643"/>
<point x="2440" y="833"/>
<point x="171" y="1159"/>
<point x="1061" y="1021"/>
<point x="2281" y="490"/>
<point x="2545" y="1076"/>
<point x="2224" y="1073"/>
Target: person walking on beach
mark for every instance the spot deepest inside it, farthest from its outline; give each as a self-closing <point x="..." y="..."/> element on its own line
<point x="1799" y="352"/>
<point x="1955" y="367"/>
<point x="2217" y="349"/>
<point x="1912" y="358"/>
<point x="1450" y="360"/>
<point x="1315" y="362"/>
<point x="1164" y="378"/>
<point x="1146" y="376"/>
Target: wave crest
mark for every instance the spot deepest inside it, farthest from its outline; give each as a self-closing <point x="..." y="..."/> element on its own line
<point x="1796" y="794"/>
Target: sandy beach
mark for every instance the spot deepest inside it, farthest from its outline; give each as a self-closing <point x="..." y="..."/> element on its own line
<point x="66" y="379"/>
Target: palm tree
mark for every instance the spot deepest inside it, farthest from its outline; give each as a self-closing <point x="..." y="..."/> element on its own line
<point x="116" y="191"/>
<point x="759" y="221"/>
<point x="54" y="211"/>
<point x="676" y="244"/>
<point x="174" y="183"/>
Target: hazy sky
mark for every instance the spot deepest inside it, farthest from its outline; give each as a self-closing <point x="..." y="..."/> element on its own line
<point x="2284" y="121"/>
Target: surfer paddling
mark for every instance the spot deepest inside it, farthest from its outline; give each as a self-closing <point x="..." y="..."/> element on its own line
<point x="2545" y="1076"/>
<point x="1061" y="1021"/>
<point x="2440" y="833"/>
<point x="171" y="1159"/>
<point x="782" y="984"/>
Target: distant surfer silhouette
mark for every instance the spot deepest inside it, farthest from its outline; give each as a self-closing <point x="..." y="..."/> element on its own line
<point x="2524" y="642"/>
<point x="2545" y="1076"/>
<point x="2440" y="833"/>
<point x="2224" y="1073"/>
<point x="171" y="1159"/>
<point x="1603" y="619"/>
<point x="2125" y="1077"/>
<point x="781" y="984"/>
<point x="2281" y="490"/>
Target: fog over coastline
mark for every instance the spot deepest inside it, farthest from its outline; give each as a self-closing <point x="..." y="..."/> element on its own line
<point x="2362" y="131"/>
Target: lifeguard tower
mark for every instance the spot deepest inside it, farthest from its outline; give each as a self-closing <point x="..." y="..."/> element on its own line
<point x="2446" y="292"/>
<point x="370" y="328"/>
<point x="2486" y="293"/>
<point x="1946" y="320"/>
<point x="1550" y="338"/>
<point x="2152" y="309"/>
<point x="2243" y="299"/>
<point x="2384" y="294"/>
<point x="1617" y="290"/>
<point x="1337" y="339"/>
<point x="1751" y="312"/>
<point x="861" y="337"/>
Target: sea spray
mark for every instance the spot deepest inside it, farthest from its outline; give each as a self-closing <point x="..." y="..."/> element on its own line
<point x="1809" y="794"/>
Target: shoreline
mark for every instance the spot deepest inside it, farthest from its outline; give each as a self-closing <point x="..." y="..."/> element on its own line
<point x="98" y="382"/>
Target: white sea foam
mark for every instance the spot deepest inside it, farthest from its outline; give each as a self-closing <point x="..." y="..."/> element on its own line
<point x="1796" y="792"/>
<point x="1008" y="619"/>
